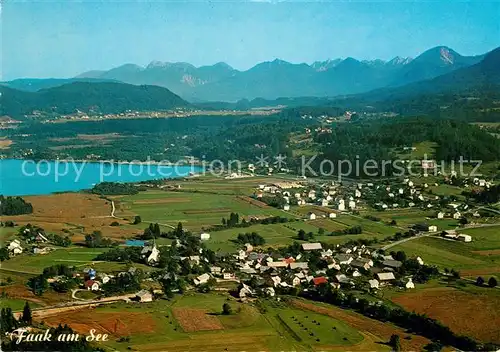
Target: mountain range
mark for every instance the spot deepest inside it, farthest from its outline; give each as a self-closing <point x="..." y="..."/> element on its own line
<point x="278" y="78"/>
<point x="442" y="76"/>
<point x="274" y="79"/>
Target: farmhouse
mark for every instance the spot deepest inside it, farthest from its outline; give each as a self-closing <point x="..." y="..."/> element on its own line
<point x="373" y="283"/>
<point x="344" y="259"/>
<point x="280" y="264"/>
<point x="92" y="285"/>
<point x="464" y="238"/>
<point x="311" y="216"/>
<point x="319" y="280"/>
<point x="359" y="264"/>
<point x="202" y="279"/>
<point x="15" y="247"/>
<point x="386" y="276"/>
<point x="245" y="291"/>
<point x="342" y="278"/>
<point x="144" y="296"/>
<point x="298" y="265"/>
<point x="43" y="250"/>
<point x="216" y="270"/>
<point x="392" y="263"/>
<point x="204" y="236"/>
<point x="311" y="246"/>
<point x="228" y="276"/>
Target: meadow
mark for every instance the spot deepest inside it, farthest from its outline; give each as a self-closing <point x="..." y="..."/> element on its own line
<point x="34" y="263"/>
<point x="195" y="210"/>
<point x="194" y="322"/>
<point x="479" y="257"/>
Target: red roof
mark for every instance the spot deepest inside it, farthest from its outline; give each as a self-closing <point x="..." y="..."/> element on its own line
<point x="89" y="283"/>
<point x="289" y="260"/>
<point x="320" y="280"/>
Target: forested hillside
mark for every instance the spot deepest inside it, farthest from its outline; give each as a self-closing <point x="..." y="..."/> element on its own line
<point x="102" y="97"/>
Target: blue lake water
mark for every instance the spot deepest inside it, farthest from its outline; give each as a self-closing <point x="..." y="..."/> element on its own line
<point x="27" y="177"/>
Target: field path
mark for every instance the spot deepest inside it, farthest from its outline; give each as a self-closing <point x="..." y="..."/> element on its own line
<point x="386" y="247"/>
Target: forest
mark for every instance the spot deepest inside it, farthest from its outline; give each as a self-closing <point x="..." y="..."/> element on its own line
<point x="246" y="137"/>
<point x="14" y="206"/>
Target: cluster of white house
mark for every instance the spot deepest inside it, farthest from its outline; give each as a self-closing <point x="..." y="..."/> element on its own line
<point x="350" y="263"/>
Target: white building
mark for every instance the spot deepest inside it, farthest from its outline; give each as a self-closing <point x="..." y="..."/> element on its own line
<point x="202" y="279"/>
<point x="204" y="236"/>
<point x="15" y="247"/>
<point x="311" y="246"/>
<point x="464" y="238"/>
<point x="409" y="284"/>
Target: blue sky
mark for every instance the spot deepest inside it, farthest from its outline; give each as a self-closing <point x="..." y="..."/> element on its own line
<point x="65" y="38"/>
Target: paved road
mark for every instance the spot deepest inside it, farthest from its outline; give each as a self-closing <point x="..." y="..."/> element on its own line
<point x="408" y="239"/>
<point x="64" y="307"/>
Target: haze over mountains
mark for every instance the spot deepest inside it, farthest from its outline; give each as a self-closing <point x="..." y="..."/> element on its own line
<point x="350" y="83"/>
<point x="279" y="78"/>
<point x="273" y="79"/>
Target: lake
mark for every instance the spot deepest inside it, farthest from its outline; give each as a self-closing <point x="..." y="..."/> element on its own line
<point x="27" y="177"/>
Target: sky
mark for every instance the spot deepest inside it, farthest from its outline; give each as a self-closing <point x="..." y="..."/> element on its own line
<point x="65" y="38"/>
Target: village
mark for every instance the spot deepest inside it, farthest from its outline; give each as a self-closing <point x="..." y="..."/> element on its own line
<point x="346" y="242"/>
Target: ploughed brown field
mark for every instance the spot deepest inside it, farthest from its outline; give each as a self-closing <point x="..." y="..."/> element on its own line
<point x="5" y="143"/>
<point x="78" y="213"/>
<point x="22" y="292"/>
<point x="252" y="201"/>
<point x="196" y="320"/>
<point x="374" y="331"/>
<point x="475" y="315"/>
<point x="113" y="323"/>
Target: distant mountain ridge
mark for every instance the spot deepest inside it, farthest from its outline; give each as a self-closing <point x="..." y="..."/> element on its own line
<point x="35" y="84"/>
<point x="274" y="79"/>
<point x="278" y="78"/>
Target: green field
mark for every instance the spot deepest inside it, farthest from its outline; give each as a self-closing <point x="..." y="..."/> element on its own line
<point x="194" y="209"/>
<point x="15" y="304"/>
<point x="6" y="234"/>
<point x="34" y="263"/>
<point x="316" y="329"/>
<point x="286" y="233"/>
<point x="247" y="328"/>
<point x="480" y="255"/>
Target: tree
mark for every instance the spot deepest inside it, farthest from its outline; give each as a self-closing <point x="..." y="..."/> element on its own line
<point x="400" y="255"/>
<point x="38" y="284"/>
<point x="479" y="281"/>
<point x="226" y="309"/>
<point x="26" y="317"/>
<point x="434" y="347"/>
<point x="93" y="240"/>
<point x="137" y="220"/>
<point x="7" y="322"/>
<point x="4" y="254"/>
<point x="395" y="343"/>
<point x="492" y="282"/>
<point x="321" y="231"/>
